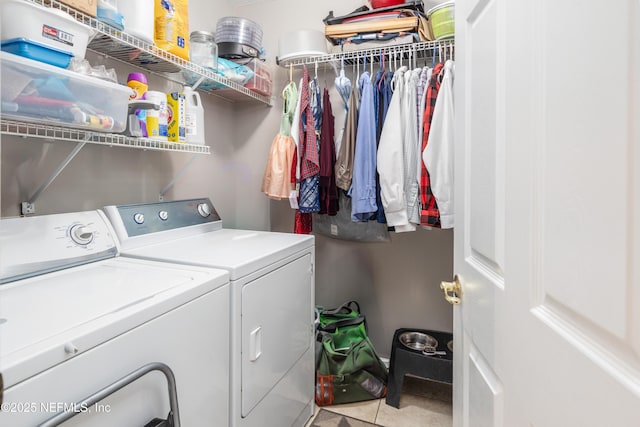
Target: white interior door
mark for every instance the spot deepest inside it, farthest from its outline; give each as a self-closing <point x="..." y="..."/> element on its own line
<point x="548" y="213"/>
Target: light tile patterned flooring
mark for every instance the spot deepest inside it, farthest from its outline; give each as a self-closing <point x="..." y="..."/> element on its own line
<point x="423" y="403"/>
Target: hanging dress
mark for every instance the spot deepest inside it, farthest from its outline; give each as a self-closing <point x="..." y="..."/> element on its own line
<point x="276" y="182"/>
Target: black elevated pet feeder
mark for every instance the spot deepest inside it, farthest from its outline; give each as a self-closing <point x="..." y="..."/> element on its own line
<point x="422" y="353"/>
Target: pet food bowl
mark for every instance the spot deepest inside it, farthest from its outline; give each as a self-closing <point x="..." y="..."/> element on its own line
<point x="442" y="19"/>
<point x="418" y="341"/>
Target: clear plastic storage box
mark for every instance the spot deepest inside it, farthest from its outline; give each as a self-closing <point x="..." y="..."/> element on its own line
<point x="261" y="80"/>
<point x="41" y="93"/>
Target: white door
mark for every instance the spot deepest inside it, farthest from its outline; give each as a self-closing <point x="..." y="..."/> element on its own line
<point x="547" y="233"/>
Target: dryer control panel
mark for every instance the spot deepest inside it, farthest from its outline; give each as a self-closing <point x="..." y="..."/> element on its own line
<point x="148" y="218"/>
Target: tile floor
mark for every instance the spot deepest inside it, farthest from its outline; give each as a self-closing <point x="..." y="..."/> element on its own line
<point x="423" y="403"/>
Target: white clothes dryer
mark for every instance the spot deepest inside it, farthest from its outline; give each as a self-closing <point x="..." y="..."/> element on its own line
<point x="272" y="300"/>
<point x="89" y="338"/>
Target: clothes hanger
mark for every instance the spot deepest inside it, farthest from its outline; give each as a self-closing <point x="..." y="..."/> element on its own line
<point x="433" y="55"/>
<point x="364" y="63"/>
<point x="371" y="65"/>
<point x="384" y="71"/>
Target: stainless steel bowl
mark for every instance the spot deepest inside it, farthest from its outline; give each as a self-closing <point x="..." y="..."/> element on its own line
<point x="418" y="341"/>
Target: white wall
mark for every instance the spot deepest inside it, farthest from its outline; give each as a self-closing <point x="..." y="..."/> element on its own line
<point x="396" y="283"/>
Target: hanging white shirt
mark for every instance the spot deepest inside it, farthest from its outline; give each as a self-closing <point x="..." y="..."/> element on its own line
<point x="411" y="148"/>
<point x="438" y="155"/>
<point x="390" y="161"/>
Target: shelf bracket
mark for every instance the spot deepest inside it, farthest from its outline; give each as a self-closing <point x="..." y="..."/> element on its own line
<point x="28" y="207"/>
<point x="176" y="178"/>
<point x="196" y="84"/>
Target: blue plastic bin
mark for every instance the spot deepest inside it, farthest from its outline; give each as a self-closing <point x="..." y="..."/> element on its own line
<point x="39" y="52"/>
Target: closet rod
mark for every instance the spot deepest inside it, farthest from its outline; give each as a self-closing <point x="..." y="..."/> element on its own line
<point x="425" y="48"/>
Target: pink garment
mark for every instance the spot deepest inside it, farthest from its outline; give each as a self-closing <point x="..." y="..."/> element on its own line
<point x="276" y="182"/>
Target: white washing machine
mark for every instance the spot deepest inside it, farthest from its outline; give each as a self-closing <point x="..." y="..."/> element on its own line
<point x="102" y="340"/>
<point x="272" y="300"/>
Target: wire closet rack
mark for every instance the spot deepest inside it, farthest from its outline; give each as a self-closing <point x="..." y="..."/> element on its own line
<point x="434" y="51"/>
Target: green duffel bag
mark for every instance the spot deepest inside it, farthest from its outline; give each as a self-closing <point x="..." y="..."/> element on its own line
<point x="345" y="324"/>
<point x="347" y="366"/>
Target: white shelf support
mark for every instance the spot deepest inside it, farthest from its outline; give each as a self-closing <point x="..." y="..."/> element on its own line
<point x="176" y="178"/>
<point x="28" y="207"/>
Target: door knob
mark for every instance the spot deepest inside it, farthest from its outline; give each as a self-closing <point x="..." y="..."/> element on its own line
<point x="452" y="290"/>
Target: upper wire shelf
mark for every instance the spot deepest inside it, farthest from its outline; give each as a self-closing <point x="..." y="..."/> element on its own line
<point x="422" y="50"/>
<point x="34" y="130"/>
<point x="124" y="47"/>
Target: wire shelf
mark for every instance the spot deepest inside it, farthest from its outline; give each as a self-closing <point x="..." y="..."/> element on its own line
<point x="35" y="130"/>
<point x="124" y="47"/>
<point x="421" y="50"/>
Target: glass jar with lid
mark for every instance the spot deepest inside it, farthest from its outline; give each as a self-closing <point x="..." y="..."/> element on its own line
<point x="203" y="50"/>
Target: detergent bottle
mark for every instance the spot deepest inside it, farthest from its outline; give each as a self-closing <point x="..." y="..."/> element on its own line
<point x="194" y="122"/>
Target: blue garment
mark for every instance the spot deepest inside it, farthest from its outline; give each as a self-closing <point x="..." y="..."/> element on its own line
<point x="363" y="185"/>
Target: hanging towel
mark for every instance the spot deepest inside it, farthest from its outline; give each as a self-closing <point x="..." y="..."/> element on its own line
<point x="438" y="155"/>
<point x="429" y="214"/>
<point x="328" y="189"/>
<point x="363" y="185"/>
<point x="276" y="182"/>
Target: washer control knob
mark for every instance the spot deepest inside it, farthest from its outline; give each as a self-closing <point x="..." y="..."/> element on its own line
<point x="81" y="234"/>
<point x="139" y="218"/>
<point x="164" y="215"/>
<point x="204" y="210"/>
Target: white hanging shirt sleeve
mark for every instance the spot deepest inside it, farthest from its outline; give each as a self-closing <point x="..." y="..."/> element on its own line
<point x="438" y="155"/>
<point x="390" y="159"/>
<point x="295" y="134"/>
<point x="411" y="148"/>
<point x="295" y="131"/>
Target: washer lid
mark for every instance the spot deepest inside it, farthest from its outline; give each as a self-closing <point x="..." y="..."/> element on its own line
<point x="47" y="319"/>
<point x="240" y="251"/>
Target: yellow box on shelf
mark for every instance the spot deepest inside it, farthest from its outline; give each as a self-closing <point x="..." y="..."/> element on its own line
<point x="172" y="26"/>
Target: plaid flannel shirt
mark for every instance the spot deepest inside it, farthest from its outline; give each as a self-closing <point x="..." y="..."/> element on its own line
<point x="429" y="213"/>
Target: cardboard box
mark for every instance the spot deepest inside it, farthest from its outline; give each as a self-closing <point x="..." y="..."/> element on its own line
<point x="177" y="117"/>
<point x="89" y="7"/>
